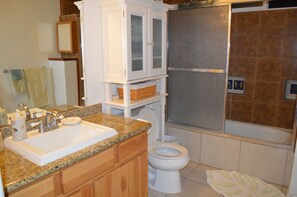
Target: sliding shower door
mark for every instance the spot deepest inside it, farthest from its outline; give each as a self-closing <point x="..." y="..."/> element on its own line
<point x="197" y="57"/>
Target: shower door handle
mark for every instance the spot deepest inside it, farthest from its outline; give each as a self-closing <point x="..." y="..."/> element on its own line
<point x="200" y="70"/>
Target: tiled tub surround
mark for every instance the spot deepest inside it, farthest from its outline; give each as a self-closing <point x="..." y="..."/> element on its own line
<point x="17" y="171"/>
<point x="263" y="51"/>
<point x="269" y="161"/>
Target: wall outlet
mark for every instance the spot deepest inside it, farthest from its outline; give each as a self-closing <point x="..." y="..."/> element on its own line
<point x="236" y="85"/>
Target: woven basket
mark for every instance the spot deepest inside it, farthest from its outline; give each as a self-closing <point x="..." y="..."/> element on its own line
<point x="139" y="93"/>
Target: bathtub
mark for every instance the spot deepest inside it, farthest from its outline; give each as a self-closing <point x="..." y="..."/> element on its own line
<point x="260" y="132"/>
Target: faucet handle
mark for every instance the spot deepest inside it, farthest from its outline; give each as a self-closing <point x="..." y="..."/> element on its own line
<point x="34" y="115"/>
<point x="34" y="124"/>
<point x="41" y="125"/>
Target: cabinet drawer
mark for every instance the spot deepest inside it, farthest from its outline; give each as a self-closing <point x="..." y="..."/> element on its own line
<point x="47" y="187"/>
<point x="132" y="147"/>
<point x="82" y="172"/>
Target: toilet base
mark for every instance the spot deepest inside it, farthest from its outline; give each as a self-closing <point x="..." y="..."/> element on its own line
<point x="166" y="181"/>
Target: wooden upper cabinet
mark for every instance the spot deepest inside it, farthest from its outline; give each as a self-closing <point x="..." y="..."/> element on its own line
<point x="66" y="37"/>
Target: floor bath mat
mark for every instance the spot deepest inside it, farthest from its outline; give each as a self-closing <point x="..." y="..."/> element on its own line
<point x="234" y="184"/>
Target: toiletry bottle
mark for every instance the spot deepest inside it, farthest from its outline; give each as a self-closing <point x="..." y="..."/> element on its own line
<point x="18" y="124"/>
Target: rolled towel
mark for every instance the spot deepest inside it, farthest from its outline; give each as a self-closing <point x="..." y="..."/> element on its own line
<point x="17" y="81"/>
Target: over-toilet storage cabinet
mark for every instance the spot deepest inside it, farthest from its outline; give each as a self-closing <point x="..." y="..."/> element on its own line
<point x="134" y="50"/>
<point x="134" y="39"/>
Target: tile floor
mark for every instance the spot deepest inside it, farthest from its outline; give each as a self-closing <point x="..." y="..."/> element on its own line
<point x="194" y="183"/>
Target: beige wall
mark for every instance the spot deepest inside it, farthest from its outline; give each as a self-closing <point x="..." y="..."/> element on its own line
<point x="27" y="37"/>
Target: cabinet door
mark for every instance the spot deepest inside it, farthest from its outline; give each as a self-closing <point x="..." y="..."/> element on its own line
<point x="157" y="55"/>
<point x="86" y="191"/>
<point x="137" y="42"/>
<point x="130" y="180"/>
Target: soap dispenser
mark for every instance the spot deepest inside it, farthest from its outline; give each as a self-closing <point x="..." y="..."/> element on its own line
<point x="19" y="128"/>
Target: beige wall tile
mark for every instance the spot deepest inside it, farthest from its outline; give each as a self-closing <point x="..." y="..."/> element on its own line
<point x="219" y="152"/>
<point x="289" y="167"/>
<point x="265" y="162"/>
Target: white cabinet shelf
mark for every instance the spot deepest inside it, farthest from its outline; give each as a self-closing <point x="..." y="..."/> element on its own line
<point x="119" y="103"/>
<point x="126" y="104"/>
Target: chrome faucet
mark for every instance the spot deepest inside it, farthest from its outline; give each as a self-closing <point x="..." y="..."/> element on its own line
<point x="50" y="122"/>
<point x="27" y="111"/>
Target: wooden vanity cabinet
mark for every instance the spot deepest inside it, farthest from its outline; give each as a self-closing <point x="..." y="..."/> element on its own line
<point x="86" y="191"/>
<point x="119" y="171"/>
<point x="49" y="186"/>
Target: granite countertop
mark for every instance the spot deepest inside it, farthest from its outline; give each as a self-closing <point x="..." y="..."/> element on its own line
<point x="18" y="171"/>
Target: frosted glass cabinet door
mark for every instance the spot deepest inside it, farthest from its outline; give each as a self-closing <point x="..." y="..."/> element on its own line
<point x="137" y="42"/>
<point x="157" y="43"/>
<point x="158" y="50"/>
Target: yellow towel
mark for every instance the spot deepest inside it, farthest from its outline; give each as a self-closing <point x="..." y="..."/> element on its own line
<point x="37" y="86"/>
<point x="17" y="81"/>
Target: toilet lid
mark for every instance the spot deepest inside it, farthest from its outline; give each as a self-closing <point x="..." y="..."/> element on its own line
<point x="149" y="115"/>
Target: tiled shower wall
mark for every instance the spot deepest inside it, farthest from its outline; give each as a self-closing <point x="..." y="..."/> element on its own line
<point x="264" y="52"/>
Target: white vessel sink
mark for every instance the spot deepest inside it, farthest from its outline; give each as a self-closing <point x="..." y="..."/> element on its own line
<point x="44" y="148"/>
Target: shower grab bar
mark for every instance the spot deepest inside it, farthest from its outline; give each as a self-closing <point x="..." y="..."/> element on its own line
<point x="200" y="70"/>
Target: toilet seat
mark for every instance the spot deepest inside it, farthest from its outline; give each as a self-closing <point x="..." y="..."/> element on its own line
<point x="167" y="151"/>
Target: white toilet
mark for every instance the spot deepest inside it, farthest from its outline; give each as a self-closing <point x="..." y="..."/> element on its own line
<point x="165" y="159"/>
